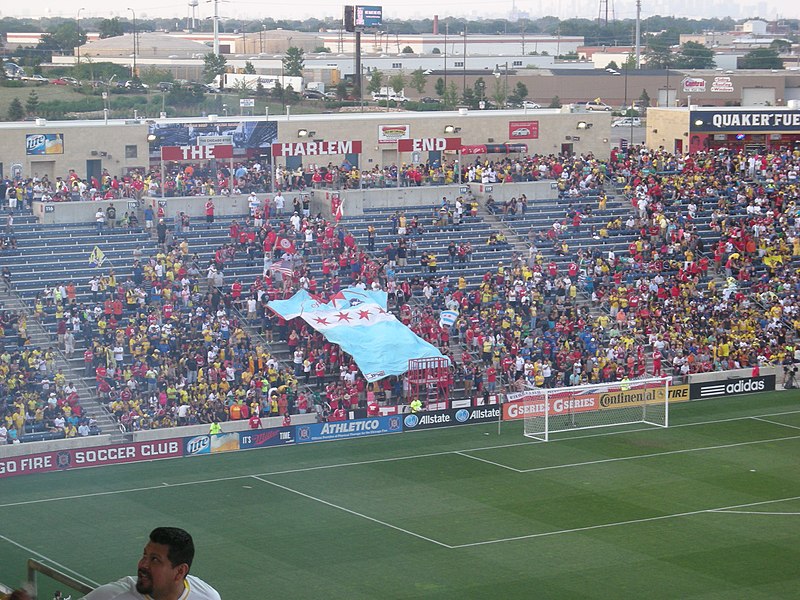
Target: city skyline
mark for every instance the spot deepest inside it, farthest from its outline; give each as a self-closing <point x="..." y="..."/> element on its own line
<point x="473" y="9"/>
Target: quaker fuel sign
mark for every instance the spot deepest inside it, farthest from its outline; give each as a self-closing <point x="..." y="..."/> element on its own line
<point x="744" y="121"/>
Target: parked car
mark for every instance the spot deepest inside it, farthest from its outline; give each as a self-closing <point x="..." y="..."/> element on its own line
<point x="429" y="100"/>
<point x="531" y="105"/>
<point x="165" y="86"/>
<point x="595" y="105"/>
<point x="36" y="78"/>
<point x="627" y="122"/>
<point x="59" y="81"/>
<point x="331" y="96"/>
<point x="313" y="95"/>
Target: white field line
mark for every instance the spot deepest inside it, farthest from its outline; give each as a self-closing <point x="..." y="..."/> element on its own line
<point x="489" y="462"/>
<point x="353" y="512"/>
<point x="754" y="512"/>
<point x="621" y="523"/>
<point x="49" y="560"/>
<point x="775" y="422"/>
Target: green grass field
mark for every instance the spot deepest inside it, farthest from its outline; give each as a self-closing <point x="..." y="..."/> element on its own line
<point x="709" y="508"/>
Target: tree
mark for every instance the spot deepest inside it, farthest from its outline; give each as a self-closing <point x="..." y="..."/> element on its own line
<point x="440" y="90"/>
<point x="16" y="112"/>
<point x="214" y="66"/>
<point x="519" y="93"/>
<point x="249" y="68"/>
<point x="450" y="97"/>
<point x="32" y="103"/>
<point x="408" y="50"/>
<point x="397" y="82"/>
<point x="63" y="38"/>
<point x="658" y="54"/>
<point x="375" y="82"/>
<point x="761" y="58"/>
<point x="293" y="62"/>
<point x="322" y="50"/>
<point x="500" y="92"/>
<point x="695" y="56"/>
<point x="419" y="80"/>
<point x="110" y="28"/>
<point x="555" y="102"/>
<point x="644" y="98"/>
<point x="341" y="90"/>
<point x="781" y="45"/>
<point x="612" y="65"/>
<point x="436" y="51"/>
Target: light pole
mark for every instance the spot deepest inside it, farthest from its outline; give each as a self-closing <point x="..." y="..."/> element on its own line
<point x="78" y="23"/>
<point x="133" y="71"/>
<point x="464" y="62"/>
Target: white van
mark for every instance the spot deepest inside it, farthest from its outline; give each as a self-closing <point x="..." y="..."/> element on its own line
<point x="628" y="122"/>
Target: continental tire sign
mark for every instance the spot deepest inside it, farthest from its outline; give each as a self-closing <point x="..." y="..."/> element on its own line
<point x="731" y="387"/>
<point x="621" y="398"/>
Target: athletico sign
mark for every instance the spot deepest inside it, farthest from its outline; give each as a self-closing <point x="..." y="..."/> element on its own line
<point x="339" y="430"/>
<point x="449" y="418"/>
<point x="90" y="457"/>
<point x="316" y="148"/>
<point x="731" y="387"/>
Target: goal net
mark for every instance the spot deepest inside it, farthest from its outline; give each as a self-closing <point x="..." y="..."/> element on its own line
<point x="550" y="410"/>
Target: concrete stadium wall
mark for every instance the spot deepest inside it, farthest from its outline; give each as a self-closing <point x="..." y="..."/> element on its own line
<point x="55" y="445"/>
<point x="227" y="427"/>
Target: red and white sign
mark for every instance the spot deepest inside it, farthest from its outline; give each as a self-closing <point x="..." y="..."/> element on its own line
<point x="428" y="144"/>
<point x="694" y="84"/>
<point x="196" y="152"/>
<point x="532" y="405"/>
<point x="523" y="130"/>
<point x="722" y="84"/>
<point x="316" y="148"/>
<point x="59" y="460"/>
<point x="389" y="134"/>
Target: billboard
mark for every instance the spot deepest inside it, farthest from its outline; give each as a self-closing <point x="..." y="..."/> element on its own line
<point x="368" y="16"/>
<point x="319" y="148"/>
<point x="523" y="130"/>
<point x="262" y="438"/>
<point x="243" y="134"/>
<point x="39" y="144"/>
<point x="743" y="120"/>
<point x="339" y="430"/>
<point x="388" y="134"/>
<point x="449" y="418"/>
<point x="200" y="152"/>
<point x="731" y="387"/>
<point x="90" y="457"/>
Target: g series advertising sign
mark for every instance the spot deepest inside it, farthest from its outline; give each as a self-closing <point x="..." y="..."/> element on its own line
<point x="731" y="387"/>
<point x="744" y="120"/>
<point x="450" y="418"/>
<point x="89" y="457"/>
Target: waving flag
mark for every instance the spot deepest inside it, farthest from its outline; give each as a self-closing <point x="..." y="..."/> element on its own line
<point x="448" y="317"/>
<point x="379" y="343"/>
<point x="97" y="257"/>
<point x="286" y="245"/>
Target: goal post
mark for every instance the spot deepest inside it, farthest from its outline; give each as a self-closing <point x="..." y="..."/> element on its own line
<point x="550" y="410"/>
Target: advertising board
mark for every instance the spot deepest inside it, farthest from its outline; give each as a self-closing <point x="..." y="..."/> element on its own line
<point x="731" y="387"/>
<point x="59" y="460"/>
<point x="450" y="418"/>
<point x="263" y="438"/>
<point x="339" y="430"/>
<point x="38" y="144"/>
<point x="523" y="130"/>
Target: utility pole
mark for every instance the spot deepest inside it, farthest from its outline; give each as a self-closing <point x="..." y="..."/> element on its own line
<point x="464" y="63"/>
<point x="638" y="34"/>
<point x="133" y="72"/>
<point x="78" y="23"/>
<point x="216" y="27"/>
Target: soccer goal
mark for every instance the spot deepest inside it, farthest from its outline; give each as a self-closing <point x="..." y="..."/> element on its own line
<point x="550" y="410"/>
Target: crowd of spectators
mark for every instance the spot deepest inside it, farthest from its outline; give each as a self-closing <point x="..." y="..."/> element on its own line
<point x="35" y="396"/>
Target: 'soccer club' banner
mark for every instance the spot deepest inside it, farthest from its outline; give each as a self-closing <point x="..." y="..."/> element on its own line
<point x="449" y="418"/>
<point x="339" y="430"/>
<point x="90" y="457"/>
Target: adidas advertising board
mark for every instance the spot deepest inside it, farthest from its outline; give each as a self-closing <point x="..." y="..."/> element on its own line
<point x="731" y="387"/>
<point x="450" y="418"/>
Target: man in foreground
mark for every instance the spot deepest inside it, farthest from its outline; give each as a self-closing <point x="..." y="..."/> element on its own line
<point x="163" y="572"/>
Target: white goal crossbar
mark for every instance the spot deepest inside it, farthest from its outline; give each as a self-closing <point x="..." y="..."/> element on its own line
<point x="550" y="410"/>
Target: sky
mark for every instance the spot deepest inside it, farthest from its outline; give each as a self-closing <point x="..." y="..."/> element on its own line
<point x="397" y="9"/>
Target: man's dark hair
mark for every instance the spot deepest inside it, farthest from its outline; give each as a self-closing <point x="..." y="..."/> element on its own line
<point x="180" y="543"/>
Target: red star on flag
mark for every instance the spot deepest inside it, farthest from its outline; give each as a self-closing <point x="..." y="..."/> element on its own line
<point x="321" y="320"/>
<point x="344" y="316"/>
<point x="363" y="314"/>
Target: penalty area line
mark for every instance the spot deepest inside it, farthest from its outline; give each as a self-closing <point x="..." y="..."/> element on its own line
<point x="353" y="512"/>
<point x="41" y="556"/>
<point x="719" y="510"/>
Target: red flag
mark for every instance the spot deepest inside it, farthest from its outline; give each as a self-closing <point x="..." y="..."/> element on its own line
<point x="286" y="245"/>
